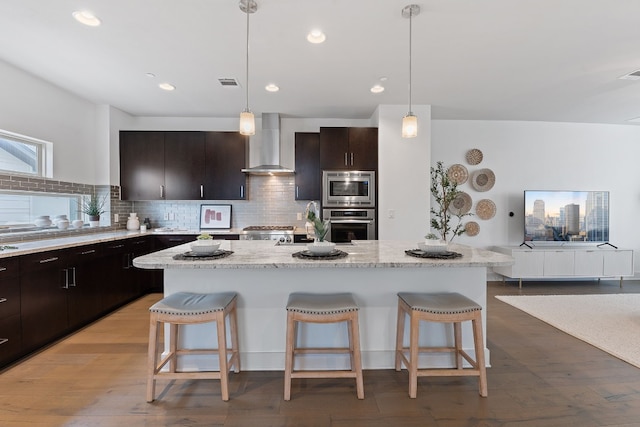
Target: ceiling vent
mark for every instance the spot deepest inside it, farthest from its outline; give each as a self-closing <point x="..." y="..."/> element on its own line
<point x="631" y="76"/>
<point x="229" y="82"/>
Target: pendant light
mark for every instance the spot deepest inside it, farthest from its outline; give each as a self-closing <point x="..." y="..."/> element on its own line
<point x="410" y="122"/>
<point x="247" y="121"/>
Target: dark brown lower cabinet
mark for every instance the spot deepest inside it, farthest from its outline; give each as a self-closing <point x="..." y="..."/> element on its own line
<point x="47" y="295"/>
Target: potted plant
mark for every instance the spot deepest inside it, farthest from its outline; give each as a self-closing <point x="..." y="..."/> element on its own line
<point x="93" y="207"/>
<point x="320" y="228"/>
<point x="444" y="192"/>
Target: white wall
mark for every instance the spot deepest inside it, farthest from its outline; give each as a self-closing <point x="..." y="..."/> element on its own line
<point x="32" y="107"/>
<point x="403" y="171"/>
<point x="545" y="156"/>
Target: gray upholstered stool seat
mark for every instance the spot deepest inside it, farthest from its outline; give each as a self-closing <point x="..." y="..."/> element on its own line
<point x="323" y="308"/>
<point x="444" y="308"/>
<point x="185" y="308"/>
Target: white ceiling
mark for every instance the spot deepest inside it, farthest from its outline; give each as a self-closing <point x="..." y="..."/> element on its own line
<point x="550" y="60"/>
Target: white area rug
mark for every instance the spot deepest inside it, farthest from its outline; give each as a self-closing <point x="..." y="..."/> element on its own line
<point x="609" y="322"/>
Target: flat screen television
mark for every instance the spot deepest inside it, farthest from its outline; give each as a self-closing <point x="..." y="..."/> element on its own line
<point x="566" y="216"/>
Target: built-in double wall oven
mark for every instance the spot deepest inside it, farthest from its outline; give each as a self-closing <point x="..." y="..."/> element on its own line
<point x="349" y="201"/>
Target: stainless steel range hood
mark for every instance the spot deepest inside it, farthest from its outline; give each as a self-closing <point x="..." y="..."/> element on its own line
<point x="270" y="148"/>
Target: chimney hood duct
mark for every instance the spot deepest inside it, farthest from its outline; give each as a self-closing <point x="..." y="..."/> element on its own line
<point x="270" y="148"/>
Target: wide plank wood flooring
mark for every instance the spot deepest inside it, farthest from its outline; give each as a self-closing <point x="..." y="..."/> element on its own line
<point x="539" y="377"/>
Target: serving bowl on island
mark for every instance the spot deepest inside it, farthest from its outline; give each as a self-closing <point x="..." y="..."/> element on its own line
<point x="433" y="246"/>
<point x="204" y="247"/>
<point x="321" y="248"/>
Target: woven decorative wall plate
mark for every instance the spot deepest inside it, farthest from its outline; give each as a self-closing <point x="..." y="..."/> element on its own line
<point x="485" y="209"/>
<point x="472" y="228"/>
<point x="458" y="174"/>
<point x="461" y="204"/>
<point x="474" y="156"/>
<point x="483" y="180"/>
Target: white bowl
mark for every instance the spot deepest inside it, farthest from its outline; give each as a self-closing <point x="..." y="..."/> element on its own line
<point x="321" y="248"/>
<point x="204" y="246"/>
<point x="77" y="223"/>
<point x="63" y="224"/>
<point x="432" y="246"/>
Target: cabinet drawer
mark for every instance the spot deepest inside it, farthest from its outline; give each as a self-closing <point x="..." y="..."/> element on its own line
<point x="43" y="260"/>
<point x="9" y="298"/>
<point x="8" y="268"/>
<point x="10" y="341"/>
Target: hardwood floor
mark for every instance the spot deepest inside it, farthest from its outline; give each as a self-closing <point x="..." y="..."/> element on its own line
<point x="539" y="377"/>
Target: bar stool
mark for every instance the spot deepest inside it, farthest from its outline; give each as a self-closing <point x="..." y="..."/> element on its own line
<point x="184" y="308"/>
<point x="322" y="308"/>
<point x="447" y="308"/>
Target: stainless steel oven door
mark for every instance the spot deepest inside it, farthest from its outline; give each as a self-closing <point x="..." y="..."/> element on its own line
<point x="350" y="224"/>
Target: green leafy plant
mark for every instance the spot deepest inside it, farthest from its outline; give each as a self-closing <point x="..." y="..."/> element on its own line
<point x="320" y="228"/>
<point x="204" y="236"/>
<point x="444" y="192"/>
<point x="93" y="205"/>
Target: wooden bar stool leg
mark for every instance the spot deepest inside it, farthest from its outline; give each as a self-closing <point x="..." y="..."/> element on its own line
<point x="288" y="364"/>
<point x="400" y="336"/>
<point x="478" y="340"/>
<point x="222" y="355"/>
<point x="173" y="347"/>
<point x="233" y="327"/>
<point x="413" y="357"/>
<point x="457" y="338"/>
<point x="354" y="343"/>
<point x="152" y="358"/>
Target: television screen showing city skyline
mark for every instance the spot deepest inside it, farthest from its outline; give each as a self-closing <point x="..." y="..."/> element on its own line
<point x="566" y="216"/>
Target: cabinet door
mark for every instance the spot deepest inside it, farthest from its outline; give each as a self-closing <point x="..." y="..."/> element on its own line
<point x="10" y="330"/>
<point x="308" y="173"/>
<point x="528" y="264"/>
<point x="588" y="263"/>
<point x="225" y="157"/>
<point x="558" y="263"/>
<point x="363" y="148"/>
<point x="618" y="263"/>
<point x="85" y="280"/>
<point x="141" y="165"/>
<point x="183" y="165"/>
<point x="334" y="148"/>
<point x="43" y="291"/>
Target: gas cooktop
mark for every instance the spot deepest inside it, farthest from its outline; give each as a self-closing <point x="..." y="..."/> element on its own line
<point x="283" y="234"/>
<point x="269" y="228"/>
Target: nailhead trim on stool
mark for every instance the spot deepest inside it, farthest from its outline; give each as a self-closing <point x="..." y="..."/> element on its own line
<point x="444" y="308"/>
<point x="323" y="308"/>
<point x="185" y="308"/>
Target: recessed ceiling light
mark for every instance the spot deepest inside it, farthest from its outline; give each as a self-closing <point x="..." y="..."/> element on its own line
<point x="316" y="36"/>
<point x="167" y="86"/>
<point x="272" y="88"/>
<point x="377" y="89"/>
<point x="87" y="18"/>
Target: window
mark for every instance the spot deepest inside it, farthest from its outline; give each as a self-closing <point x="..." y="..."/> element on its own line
<point x="24" y="155"/>
<point x="21" y="209"/>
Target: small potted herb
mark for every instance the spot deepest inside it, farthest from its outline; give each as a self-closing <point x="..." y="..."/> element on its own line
<point x="93" y="207"/>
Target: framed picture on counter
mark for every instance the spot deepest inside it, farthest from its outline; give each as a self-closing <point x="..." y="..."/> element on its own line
<point x="215" y="217"/>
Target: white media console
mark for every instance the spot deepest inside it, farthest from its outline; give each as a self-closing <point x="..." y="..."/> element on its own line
<point x="554" y="262"/>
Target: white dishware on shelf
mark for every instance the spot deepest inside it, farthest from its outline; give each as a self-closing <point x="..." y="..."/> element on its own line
<point x="432" y="246"/>
<point x="43" y="221"/>
<point x="321" y="248"/>
<point x="62" y="224"/>
<point x="204" y="247"/>
<point x="77" y="223"/>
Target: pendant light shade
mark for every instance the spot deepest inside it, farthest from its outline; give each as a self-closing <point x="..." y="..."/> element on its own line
<point x="410" y="122"/>
<point x="409" y="126"/>
<point x="247" y="121"/>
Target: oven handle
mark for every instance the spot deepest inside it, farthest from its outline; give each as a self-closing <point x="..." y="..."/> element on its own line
<point x="352" y="221"/>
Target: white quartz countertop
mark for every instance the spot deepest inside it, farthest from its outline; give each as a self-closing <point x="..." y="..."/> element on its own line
<point x="361" y="254"/>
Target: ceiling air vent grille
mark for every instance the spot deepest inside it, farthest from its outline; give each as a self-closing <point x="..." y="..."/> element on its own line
<point x="631" y="76"/>
<point x="228" y="82"/>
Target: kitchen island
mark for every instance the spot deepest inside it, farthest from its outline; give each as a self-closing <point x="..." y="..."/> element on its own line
<point x="263" y="275"/>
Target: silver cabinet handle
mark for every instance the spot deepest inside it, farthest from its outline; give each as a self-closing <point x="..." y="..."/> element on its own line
<point x="66" y="279"/>
<point x="345" y="160"/>
<point x="162" y="191"/>
<point x="297" y="192"/>
<point x="242" y="191"/>
<point x="201" y="191"/>
<point x="42" y="261"/>
<point x="3" y="300"/>
<point x="3" y="268"/>
<point x="3" y="340"/>
<point x="73" y="277"/>
<point x="351" y="159"/>
<point x="92" y="251"/>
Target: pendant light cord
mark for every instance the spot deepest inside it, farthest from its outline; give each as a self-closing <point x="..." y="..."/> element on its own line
<point x="247" y="62"/>
<point x="410" y="32"/>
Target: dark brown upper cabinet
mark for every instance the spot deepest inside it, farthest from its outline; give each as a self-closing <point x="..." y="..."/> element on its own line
<point x="308" y="175"/>
<point x="348" y="148"/>
<point x="225" y="157"/>
<point x="141" y="165"/>
<point x="184" y="165"/>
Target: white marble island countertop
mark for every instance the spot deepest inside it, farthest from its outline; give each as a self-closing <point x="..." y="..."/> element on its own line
<point x="361" y="254"/>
